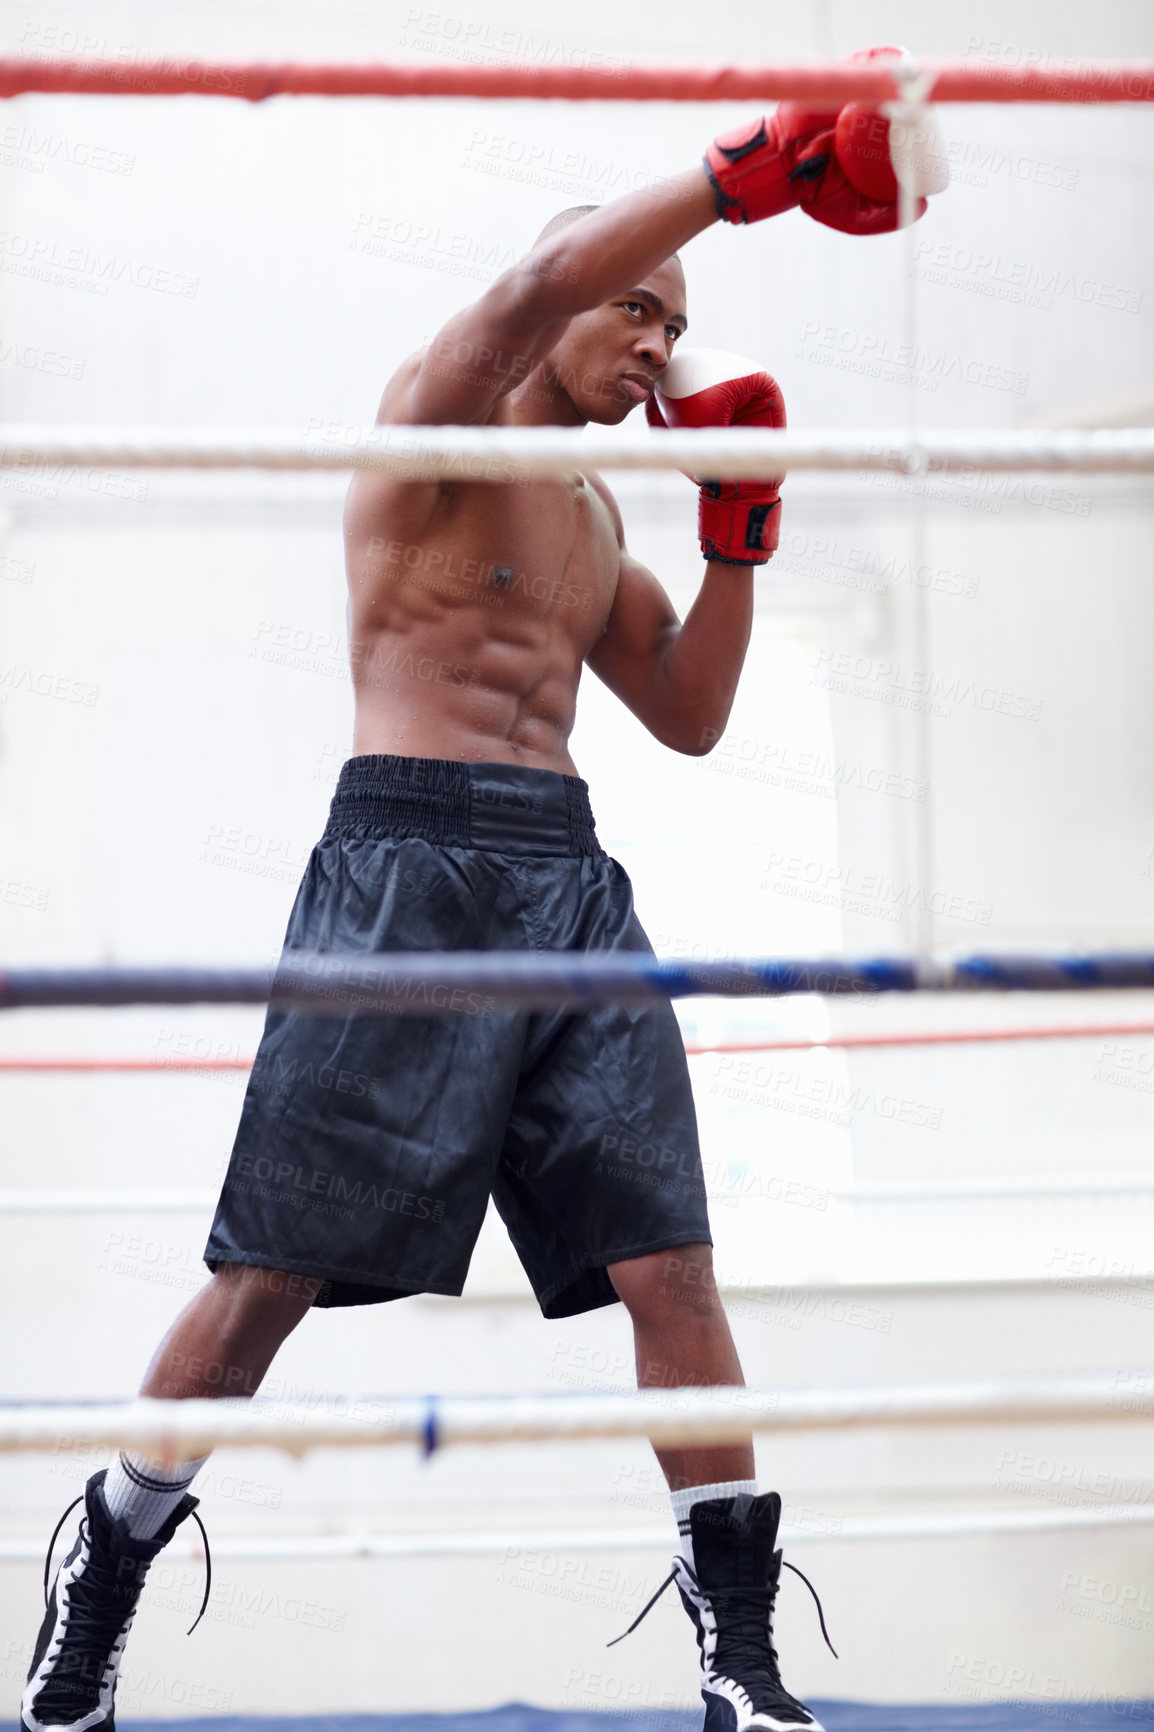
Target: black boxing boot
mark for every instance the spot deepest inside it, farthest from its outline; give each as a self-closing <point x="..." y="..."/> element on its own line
<point x="72" y="1680"/>
<point x="729" y="1594"/>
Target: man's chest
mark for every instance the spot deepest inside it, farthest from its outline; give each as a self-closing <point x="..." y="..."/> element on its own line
<point x="541" y="547"/>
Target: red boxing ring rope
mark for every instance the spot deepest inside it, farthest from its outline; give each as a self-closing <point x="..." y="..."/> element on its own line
<point x="924" y="1037"/>
<point x="947" y="81"/>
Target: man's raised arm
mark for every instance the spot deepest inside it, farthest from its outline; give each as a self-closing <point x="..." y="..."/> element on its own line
<point x="493" y="345"/>
<point x="833" y="163"/>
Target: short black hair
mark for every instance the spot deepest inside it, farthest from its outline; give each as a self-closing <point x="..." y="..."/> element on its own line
<point x="563" y="219"/>
<point x="572" y="215"/>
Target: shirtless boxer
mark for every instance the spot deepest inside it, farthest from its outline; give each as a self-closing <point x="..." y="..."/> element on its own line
<point x="368" y="1147"/>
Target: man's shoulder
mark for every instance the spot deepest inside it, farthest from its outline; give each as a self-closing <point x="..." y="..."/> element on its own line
<point x="394" y="405"/>
<point x="603" y="491"/>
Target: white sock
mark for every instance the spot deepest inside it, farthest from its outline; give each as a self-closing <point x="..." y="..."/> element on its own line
<point x="145" y="1493"/>
<point x="683" y="1502"/>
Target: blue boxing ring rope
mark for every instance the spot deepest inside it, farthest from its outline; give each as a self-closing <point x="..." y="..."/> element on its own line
<point x="475" y="982"/>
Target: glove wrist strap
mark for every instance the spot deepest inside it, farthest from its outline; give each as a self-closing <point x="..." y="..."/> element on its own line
<point x="737" y="531"/>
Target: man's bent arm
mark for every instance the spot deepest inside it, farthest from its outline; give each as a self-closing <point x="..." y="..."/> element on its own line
<point x="679" y="680"/>
<point x="490" y="347"/>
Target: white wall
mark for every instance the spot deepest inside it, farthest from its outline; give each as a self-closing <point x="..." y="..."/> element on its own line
<point x="162" y="807"/>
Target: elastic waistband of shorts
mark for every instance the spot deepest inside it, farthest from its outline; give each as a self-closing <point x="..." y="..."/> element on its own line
<point x="504" y="808"/>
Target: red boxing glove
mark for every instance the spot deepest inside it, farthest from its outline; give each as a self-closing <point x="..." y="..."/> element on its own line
<point x="738" y="521"/>
<point x="867" y="148"/>
<point x="834" y="164"/>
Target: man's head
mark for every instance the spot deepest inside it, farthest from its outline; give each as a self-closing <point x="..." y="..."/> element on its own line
<point x="563" y="219"/>
<point x="609" y="358"/>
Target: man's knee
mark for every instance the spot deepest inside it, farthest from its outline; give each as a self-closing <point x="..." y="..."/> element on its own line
<point x="680" y="1279"/>
<point x="256" y="1295"/>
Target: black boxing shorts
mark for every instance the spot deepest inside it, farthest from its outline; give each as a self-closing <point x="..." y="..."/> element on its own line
<point x="369" y="1145"/>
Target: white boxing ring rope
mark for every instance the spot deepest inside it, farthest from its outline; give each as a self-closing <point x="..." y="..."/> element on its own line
<point x="510" y="453"/>
<point x="176" y="1202"/>
<point x="522" y="1542"/>
<point x="183" y="1430"/>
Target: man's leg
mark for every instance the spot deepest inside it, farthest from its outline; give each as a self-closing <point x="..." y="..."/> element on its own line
<point x="729" y="1567"/>
<point x="221" y="1345"/>
<point x="682" y="1341"/>
<point x="226" y="1339"/>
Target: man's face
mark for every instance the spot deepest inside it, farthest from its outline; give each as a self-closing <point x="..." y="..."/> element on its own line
<point x="609" y="359"/>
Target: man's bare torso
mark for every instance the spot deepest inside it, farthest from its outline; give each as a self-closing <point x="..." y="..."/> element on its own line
<point x="472" y="608"/>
